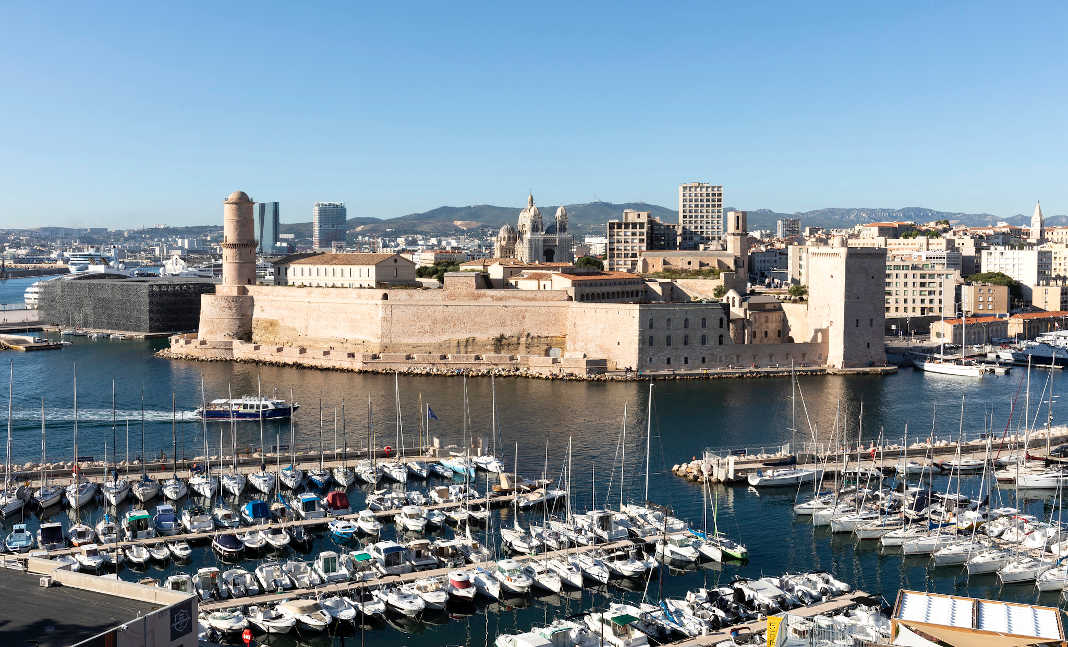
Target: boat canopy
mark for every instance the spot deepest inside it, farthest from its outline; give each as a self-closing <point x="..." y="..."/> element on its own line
<point x="257" y="510"/>
<point x="337" y="500"/>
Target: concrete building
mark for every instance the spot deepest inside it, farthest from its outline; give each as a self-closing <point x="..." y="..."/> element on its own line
<point x="979" y="330"/>
<point x="636" y="233"/>
<point x="1030" y="267"/>
<point x="772" y="262"/>
<point x="532" y="242"/>
<point x="139" y="305"/>
<point x="651" y="262"/>
<point x="916" y="288"/>
<point x="985" y="299"/>
<point x="787" y="227"/>
<point x="1050" y="297"/>
<point x="328" y="224"/>
<point x="267" y="227"/>
<point x="428" y="257"/>
<point x="345" y="271"/>
<point x="700" y="215"/>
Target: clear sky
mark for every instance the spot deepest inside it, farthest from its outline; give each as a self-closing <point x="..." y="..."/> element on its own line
<point x="118" y="114"/>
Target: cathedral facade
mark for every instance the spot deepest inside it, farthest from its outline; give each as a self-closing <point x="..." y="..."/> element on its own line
<point x="532" y="242"/>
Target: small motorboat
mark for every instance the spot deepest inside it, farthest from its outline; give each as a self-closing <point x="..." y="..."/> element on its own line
<point x="339" y="608"/>
<point x="269" y="620"/>
<point x="368" y="523"/>
<point x="227" y="545"/>
<point x="307" y="613"/>
<point x="50" y="536"/>
<point x="19" y="540"/>
<point x="255" y="513"/>
<point x="272" y="578"/>
<point x="336" y="502"/>
<point x="228" y="622"/>
<point x="181" y="582"/>
<point x="137" y="554"/>
<point x="226" y="518"/>
<point x="512" y="577"/>
<point x="159" y="552"/>
<point x="181" y="550"/>
<point x="209" y="585"/>
<point x="81" y="534"/>
<point x="343" y="529"/>
<point x="165" y="520"/>
<point x="253" y="540"/>
<point x="462" y="586"/>
<point x="240" y="582"/>
<point x="330" y="567"/>
<point x="107" y="531"/>
<point x="406" y="603"/>
<point x="196" y="519"/>
<point x="277" y="537"/>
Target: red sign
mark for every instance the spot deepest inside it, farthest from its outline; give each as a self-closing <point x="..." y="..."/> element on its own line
<point x="246" y="637"/>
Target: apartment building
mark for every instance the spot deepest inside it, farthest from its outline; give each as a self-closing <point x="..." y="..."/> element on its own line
<point x="635" y="234"/>
<point x="700" y="215"/>
<point x="984" y="299"/>
<point x="1030" y="267"/>
<point x="917" y="287"/>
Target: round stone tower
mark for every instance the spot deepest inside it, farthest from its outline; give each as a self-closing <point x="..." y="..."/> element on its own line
<point x="239" y="241"/>
<point x="227" y="315"/>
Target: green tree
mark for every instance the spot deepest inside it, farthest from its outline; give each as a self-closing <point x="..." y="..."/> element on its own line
<point x="719" y="291"/>
<point x="998" y="278"/>
<point x="589" y="261"/>
<point x="798" y="291"/>
<point x="437" y="270"/>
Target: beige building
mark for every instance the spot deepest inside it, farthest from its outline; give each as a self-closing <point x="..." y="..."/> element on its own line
<point x="700" y="215"/>
<point x="917" y="288"/>
<point x="686" y="261"/>
<point x="429" y="257"/>
<point x="980" y="330"/>
<point x="1050" y="297"/>
<point x="345" y="271"/>
<point x="1030" y="267"/>
<point x="984" y="299"/>
<point x="844" y="304"/>
<point x="638" y="232"/>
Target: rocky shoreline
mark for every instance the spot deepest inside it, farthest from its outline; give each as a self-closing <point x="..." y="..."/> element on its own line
<point x="615" y="376"/>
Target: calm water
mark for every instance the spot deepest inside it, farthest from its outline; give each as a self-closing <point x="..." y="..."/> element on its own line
<point x="13" y="291"/>
<point x="541" y="417"/>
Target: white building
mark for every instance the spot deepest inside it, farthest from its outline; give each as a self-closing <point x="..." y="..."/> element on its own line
<point x="787" y="227"/>
<point x="701" y="215"/>
<point x="1030" y="267"/>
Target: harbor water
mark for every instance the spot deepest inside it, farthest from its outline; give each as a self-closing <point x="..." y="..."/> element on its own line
<point x="539" y="418"/>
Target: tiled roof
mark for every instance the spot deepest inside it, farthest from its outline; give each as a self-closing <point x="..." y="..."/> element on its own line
<point x="600" y="276"/>
<point x="343" y="259"/>
<point x="1041" y="315"/>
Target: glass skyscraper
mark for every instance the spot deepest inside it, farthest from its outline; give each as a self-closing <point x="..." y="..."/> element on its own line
<point x="328" y="224"/>
<point x="266" y="226"/>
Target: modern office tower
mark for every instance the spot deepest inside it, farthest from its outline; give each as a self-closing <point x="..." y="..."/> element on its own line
<point x="701" y="214"/>
<point x="787" y="227"/>
<point x="328" y="224"/>
<point x="266" y="226"/>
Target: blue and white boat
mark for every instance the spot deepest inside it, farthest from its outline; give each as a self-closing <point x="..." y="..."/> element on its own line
<point x="256" y="512"/>
<point x="19" y="540"/>
<point x="459" y="465"/>
<point x="343" y="529"/>
<point x="249" y="407"/>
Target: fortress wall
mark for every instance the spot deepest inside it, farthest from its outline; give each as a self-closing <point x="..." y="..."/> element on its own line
<point x="410" y="321"/>
<point x="605" y="330"/>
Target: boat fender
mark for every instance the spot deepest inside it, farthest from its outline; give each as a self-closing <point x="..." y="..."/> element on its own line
<point x="388" y="450"/>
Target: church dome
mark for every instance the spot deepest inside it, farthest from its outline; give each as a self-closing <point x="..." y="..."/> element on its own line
<point x="561" y="212"/>
<point x="507" y="232"/>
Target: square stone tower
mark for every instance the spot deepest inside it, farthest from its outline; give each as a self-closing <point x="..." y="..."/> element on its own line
<point x="845" y="303"/>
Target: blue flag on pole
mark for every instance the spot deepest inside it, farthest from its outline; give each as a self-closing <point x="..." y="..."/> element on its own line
<point x="430" y="413"/>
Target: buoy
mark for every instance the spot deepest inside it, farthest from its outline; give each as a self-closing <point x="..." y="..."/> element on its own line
<point x="388" y="450"/>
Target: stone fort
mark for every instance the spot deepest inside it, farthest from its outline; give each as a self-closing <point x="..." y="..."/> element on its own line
<point x="471" y="324"/>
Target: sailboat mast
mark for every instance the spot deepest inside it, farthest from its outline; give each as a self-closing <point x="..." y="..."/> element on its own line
<point x="127" y="443"/>
<point x="568" y="480"/>
<point x="144" y="467"/>
<point x="344" y="437"/>
<point x="623" y="455"/>
<point x="292" y="435"/>
<point x="7" y="451"/>
<point x="259" y="409"/>
<point x="44" y="472"/>
<point x="648" y="437"/>
<point x="114" y="442"/>
<point x="320" y="433"/>
<point x="174" y="441"/>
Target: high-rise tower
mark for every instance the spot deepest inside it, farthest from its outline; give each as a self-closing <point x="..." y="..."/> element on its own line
<point x="267" y="227"/>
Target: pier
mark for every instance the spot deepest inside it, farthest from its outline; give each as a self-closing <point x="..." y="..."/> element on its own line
<point x="388" y="580"/>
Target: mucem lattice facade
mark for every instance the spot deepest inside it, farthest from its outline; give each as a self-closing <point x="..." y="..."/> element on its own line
<point x="135" y="305"/>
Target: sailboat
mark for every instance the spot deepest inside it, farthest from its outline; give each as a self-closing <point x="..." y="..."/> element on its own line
<point x="291" y="476"/>
<point x="174" y="488"/>
<point x="343" y="474"/>
<point x="262" y="479"/>
<point x="12" y="499"/>
<point x="107" y="531"/>
<point x="205" y="483"/>
<point x="366" y="470"/>
<point x="943" y="366"/>
<point x="146" y="488"/>
<point x="48" y="494"/>
<point x="115" y="489"/>
<point x="394" y="469"/>
<point x="232" y="481"/>
<point x="81" y="491"/>
<point x="518" y="538"/>
<point x="489" y="462"/>
<point x="320" y="476"/>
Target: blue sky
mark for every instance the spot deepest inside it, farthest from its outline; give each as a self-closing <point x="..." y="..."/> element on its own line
<point x="117" y="114"/>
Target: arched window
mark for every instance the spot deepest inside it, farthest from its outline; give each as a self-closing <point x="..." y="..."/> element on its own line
<point x="721" y="340"/>
<point x="685" y="323"/>
<point x="685" y="340"/>
<point x="721" y="322"/>
<point x="704" y="322"/>
<point x="669" y="340"/>
<point x="704" y="339"/>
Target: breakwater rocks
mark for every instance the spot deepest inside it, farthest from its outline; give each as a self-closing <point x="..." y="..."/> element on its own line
<point x="544" y="373"/>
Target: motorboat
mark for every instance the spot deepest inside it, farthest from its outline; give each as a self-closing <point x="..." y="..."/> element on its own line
<point x="196" y="518"/>
<point x="783" y="477"/>
<point x="512" y="577"/>
<point x="256" y="512"/>
<point x="402" y="601"/>
<point x="19" y="540"/>
<point x="302" y="575"/>
<point x="209" y="584"/>
<point x="339" y="609"/>
<point x="180" y="582"/>
<point x="569" y="574"/>
<point x="395" y="471"/>
<point x="180" y="550"/>
<point x="592" y="567"/>
<point x="165" y="520"/>
<point x="390" y="557"/>
<point x="81" y="534"/>
<point x="307" y="613"/>
<point x="225" y="518"/>
<point x="253" y="540"/>
<point x="630" y="562"/>
<point x="486" y="583"/>
<point x="617" y="626"/>
<point x="418" y="470"/>
<point x="50" y="536"/>
<point x="461" y="585"/>
<point x="228" y="622"/>
<point x="542" y="576"/>
<point x="411" y="518"/>
<point x="158" y="552"/>
<point x="330" y="567"/>
<point x="227" y="545"/>
<point x="457" y="464"/>
<point x="336" y="502"/>
<point x="277" y="536"/>
<point x="343" y="529"/>
<point x="269" y="620"/>
<point x="488" y="463"/>
<point x="369" y="606"/>
<point x="361" y="565"/>
<point x="137" y="554"/>
<point x="421" y="555"/>
<point x="272" y="578"/>
<point x="677" y="548"/>
<point x="247" y="408"/>
<point x="307" y="506"/>
<point x="240" y="582"/>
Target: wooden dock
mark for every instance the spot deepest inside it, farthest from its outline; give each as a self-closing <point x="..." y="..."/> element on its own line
<point x="387" y="580"/>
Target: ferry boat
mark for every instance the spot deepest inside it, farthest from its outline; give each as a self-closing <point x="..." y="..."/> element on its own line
<point x="247" y="408"/>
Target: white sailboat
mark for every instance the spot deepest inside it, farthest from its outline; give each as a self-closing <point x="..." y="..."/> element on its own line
<point x="48" y="494"/>
<point x="291" y="476"/>
<point x="146" y="488"/>
<point x="12" y="499"/>
<point x="232" y="481"/>
<point x="115" y="489"/>
<point x="343" y="474"/>
<point x="81" y="491"/>
<point x="262" y="479"/>
<point x="205" y="483"/>
<point x="942" y="366"/>
<point x="174" y="488"/>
